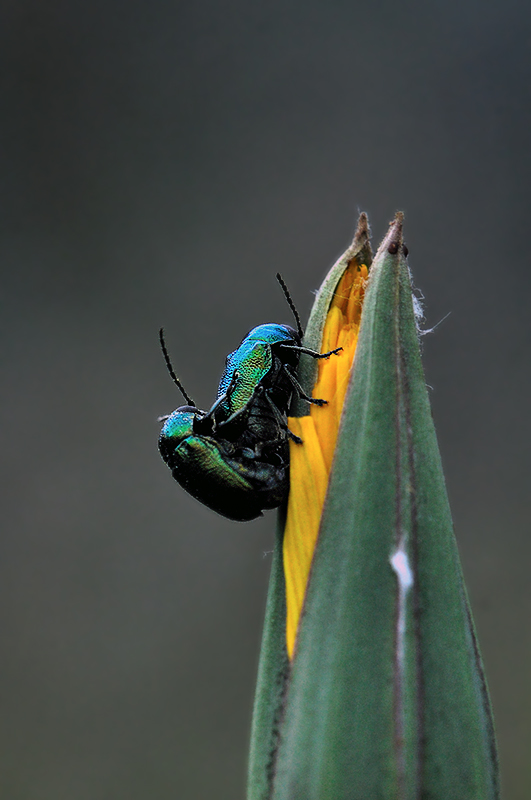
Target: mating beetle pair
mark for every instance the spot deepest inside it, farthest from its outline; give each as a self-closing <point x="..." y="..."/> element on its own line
<point x="234" y="458"/>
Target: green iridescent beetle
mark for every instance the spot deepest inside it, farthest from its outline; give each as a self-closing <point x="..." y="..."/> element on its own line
<point x="234" y="458"/>
<point x="229" y="479"/>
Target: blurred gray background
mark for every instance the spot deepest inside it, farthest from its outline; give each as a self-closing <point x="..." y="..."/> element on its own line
<point x="160" y="162"/>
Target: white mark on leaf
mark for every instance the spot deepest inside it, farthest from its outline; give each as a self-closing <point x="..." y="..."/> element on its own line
<point x="400" y="564"/>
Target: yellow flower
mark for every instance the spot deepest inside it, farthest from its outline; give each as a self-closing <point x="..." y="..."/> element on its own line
<point x="311" y="462"/>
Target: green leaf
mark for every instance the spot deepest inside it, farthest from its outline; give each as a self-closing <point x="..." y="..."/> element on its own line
<point x="386" y="698"/>
<point x="273" y="673"/>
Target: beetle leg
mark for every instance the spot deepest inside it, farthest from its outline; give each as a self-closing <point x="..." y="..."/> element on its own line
<point x="219" y="401"/>
<point x="235" y="415"/>
<point x="302" y="394"/>
<point x="326" y="355"/>
<point x="210" y="412"/>
<point x="312" y="353"/>
<point x="280" y="419"/>
<point x="227" y="394"/>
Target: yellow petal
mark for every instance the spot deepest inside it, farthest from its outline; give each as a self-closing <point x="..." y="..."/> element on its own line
<point x="311" y="462"/>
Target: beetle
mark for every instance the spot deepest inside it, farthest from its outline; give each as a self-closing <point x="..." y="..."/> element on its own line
<point x="259" y="380"/>
<point x="234" y="458"/>
<point x="228" y="478"/>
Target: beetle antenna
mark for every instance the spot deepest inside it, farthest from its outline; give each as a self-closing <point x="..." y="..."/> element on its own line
<point x="291" y="304"/>
<point x="174" y="377"/>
